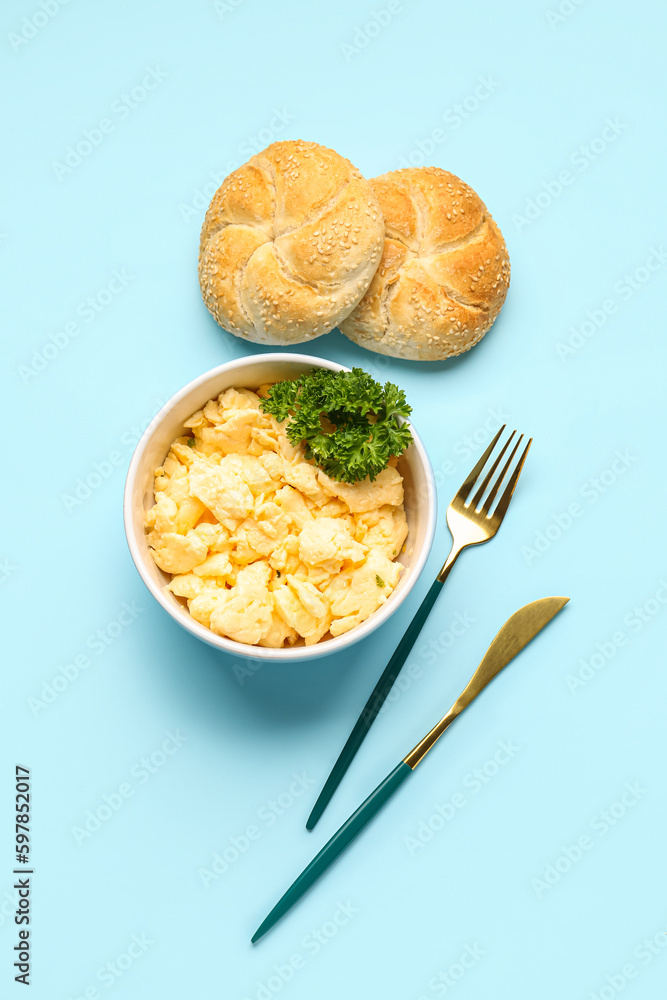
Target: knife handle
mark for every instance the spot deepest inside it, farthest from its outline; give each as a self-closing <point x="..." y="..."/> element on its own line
<point x="374" y="704"/>
<point x="335" y="847"/>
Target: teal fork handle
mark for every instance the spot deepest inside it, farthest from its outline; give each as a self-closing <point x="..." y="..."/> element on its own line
<point x="335" y="847"/>
<point x="374" y="704"/>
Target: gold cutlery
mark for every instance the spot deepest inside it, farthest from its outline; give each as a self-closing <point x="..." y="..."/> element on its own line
<point x="471" y="521"/>
<point x="510" y="640"/>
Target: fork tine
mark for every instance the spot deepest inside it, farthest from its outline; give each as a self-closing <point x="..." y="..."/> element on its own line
<point x="499" y="480"/>
<point x="504" y="501"/>
<point x="472" y="477"/>
<point x="487" y="479"/>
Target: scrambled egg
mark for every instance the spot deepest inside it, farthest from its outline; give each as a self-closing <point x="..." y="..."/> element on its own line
<point x="263" y="546"/>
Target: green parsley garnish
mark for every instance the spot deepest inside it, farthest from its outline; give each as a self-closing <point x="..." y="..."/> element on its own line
<point x="380" y="582"/>
<point x="191" y="442"/>
<point x="349" y="422"/>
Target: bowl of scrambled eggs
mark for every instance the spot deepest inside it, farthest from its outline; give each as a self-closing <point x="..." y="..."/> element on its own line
<point x="250" y="546"/>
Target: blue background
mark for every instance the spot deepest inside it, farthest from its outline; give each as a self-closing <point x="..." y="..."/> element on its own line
<point x="577" y="359"/>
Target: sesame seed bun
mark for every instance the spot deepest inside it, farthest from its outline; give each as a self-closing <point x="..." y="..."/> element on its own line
<point x="444" y="272"/>
<point x="289" y="245"/>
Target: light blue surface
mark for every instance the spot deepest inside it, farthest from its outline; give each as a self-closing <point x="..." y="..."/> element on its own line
<point x="406" y="911"/>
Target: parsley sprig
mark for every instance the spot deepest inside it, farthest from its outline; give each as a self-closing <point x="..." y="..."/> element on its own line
<point x="350" y="423"/>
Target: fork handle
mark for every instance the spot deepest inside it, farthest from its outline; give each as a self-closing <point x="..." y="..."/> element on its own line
<point x="375" y="703"/>
<point x="454" y="553"/>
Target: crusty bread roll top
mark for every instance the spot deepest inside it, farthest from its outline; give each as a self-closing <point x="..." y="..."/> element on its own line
<point x="444" y="272"/>
<point x="289" y="245"/>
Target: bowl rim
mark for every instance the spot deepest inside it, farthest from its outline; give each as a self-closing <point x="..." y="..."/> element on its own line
<point x="231" y="646"/>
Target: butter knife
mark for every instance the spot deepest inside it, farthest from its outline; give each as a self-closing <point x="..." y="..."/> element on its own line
<point x="516" y="633"/>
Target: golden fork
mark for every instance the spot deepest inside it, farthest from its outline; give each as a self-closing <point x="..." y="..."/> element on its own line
<point x="470" y="521"/>
<point x="471" y="524"/>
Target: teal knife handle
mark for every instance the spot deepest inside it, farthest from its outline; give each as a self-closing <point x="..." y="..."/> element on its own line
<point x="335" y="847"/>
<point x="374" y="704"/>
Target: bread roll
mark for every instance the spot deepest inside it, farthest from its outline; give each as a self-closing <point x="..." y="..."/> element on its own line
<point x="444" y="272"/>
<point x="290" y="243"/>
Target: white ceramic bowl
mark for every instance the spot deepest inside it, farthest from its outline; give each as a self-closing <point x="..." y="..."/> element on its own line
<point x="251" y="372"/>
